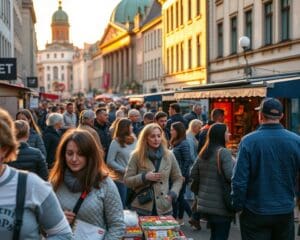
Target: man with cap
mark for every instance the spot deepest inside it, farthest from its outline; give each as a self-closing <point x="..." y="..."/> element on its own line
<point x="264" y="177"/>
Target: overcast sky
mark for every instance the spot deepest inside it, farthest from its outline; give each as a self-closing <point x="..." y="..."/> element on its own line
<point x="87" y="19"/>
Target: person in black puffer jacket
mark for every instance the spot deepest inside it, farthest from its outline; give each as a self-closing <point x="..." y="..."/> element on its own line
<point x="28" y="158"/>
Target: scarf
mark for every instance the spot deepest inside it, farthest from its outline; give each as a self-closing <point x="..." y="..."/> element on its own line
<point x="73" y="183"/>
<point x="155" y="154"/>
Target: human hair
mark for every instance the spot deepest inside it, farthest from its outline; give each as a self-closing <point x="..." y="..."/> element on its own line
<point x="196" y="106"/>
<point x="133" y="112"/>
<point x="215" y="139"/>
<point x="149" y="116"/>
<point x="7" y="136"/>
<point x="122" y="132"/>
<point x="194" y="123"/>
<point x="22" y="129"/>
<point x="69" y="104"/>
<point x="176" y="107"/>
<point x="54" y="118"/>
<point x="120" y="113"/>
<point x="30" y="118"/>
<point x="142" y="146"/>
<point x="95" y="170"/>
<point x="180" y="130"/>
<point x="216" y="113"/>
<point x="100" y="110"/>
<point x="159" y="115"/>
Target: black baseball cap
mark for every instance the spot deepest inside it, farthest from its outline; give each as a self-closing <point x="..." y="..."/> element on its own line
<point x="271" y="107"/>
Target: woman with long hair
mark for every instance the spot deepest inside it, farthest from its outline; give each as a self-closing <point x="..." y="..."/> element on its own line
<point x="79" y="168"/>
<point x="121" y="147"/>
<point x="35" y="137"/>
<point x="182" y="152"/>
<point x="210" y="200"/>
<point x="41" y="208"/>
<point x="153" y="166"/>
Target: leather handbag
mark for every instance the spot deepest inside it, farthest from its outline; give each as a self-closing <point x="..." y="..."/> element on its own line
<point x="145" y="195"/>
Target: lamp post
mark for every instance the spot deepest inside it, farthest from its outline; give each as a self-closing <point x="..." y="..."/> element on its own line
<point x="244" y="43"/>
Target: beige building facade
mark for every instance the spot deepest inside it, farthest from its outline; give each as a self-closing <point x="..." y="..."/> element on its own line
<point x="184" y="43"/>
<point x="273" y="29"/>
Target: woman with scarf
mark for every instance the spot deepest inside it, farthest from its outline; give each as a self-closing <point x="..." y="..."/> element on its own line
<point x="79" y="172"/>
<point x="152" y="166"/>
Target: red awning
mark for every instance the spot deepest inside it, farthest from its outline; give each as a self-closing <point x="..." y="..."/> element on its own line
<point x="49" y="96"/>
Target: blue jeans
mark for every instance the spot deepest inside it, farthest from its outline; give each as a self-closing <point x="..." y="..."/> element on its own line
<point x="267" y="227"/>
<point x="219" y="227"/>
<point x="122" y="191"/>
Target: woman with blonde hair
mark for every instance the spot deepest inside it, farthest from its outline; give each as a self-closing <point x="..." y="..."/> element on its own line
<point x="80" y="172"/>
<point x="151" y="168"/>
<point x="41" y="209"/>
<point x="193" y="130"/>
<point x="35" y="137"/>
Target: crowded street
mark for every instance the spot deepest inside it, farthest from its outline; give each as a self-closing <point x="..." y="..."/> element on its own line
<point x="149" y="120"/>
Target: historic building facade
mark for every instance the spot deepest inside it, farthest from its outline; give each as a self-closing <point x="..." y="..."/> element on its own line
<point x="54" y="63"/>
<point x="184" y="43"/>
<point x="271" y="26"/>
<point x="6" y="28"/>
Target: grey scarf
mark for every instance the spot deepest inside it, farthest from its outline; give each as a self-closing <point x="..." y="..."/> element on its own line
<point x="73" y="183"/>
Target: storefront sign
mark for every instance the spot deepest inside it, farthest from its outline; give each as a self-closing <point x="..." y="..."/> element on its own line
<point x="32" y="82"/>
<point x="8" y="69"/>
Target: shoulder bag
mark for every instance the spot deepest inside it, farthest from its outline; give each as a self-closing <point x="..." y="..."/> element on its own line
<point x="225" y="184"/>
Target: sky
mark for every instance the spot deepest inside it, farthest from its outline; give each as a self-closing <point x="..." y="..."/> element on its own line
<point x="87" y="18"/>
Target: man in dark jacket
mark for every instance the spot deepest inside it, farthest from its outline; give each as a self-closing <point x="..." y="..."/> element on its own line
<point x="102" y="127"/>
<point x="175" y="116"/>
<point x="28" y="158"/>
<point x="264" y="177"/>
<point x="194" y="114"/>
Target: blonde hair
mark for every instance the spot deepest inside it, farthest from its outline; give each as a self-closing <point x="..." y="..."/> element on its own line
<point x="192" y="124"/>
<point x="142" y="146"/>
<point x="22" y="129"/>
<point x="7" y="136"/>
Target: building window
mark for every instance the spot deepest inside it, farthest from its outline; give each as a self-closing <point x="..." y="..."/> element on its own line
<point x="248" y="26"/>
<point x="233" y="35"/>
<point x="48" y="77"/>
<point x="172" y="59"/>
<point x="198" y="51"/>
<point x="48" y="55"/>
<point x="54" y="55"/>
<point x="268" y="23"/>
<point x="285" y="20"/>
<point x="62" y="76"/>
<point x="168" y="60"/>
<point x="198" y="6"/>
<point x="220" y="39"/>
<point x="172" y="18"/>
<point x="159" y="37"/>
<point x="62" y="55"/>
<point x="177" y="57"/>
<point x="181" y="12"/>
<point x="182" y="56"/>
<point x="168" y="21"/>
<point x="190" y="53"/>
<point x="176" y="15"/>
<point x="48" y="68"/>
<point x="55" y="73"/>
<point x="189" y="9"/>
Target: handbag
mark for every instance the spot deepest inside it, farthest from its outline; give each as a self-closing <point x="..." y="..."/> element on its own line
<point x="147" y="194"/>
<point x="225" y="184"/>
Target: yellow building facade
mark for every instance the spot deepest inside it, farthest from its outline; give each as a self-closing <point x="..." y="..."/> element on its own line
<point x="184" y="43"/>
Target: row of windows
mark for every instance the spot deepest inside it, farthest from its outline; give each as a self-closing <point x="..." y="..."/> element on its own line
<point x="61" y="67"/>
<point x="5" y="12"/>
<point x="55" y="74"/>
<point x="152" y="40"/>
<point x="62" y="55"/>
<point x="5" y="47"/>
<point x="176" y="12"/>
<point x="175" y="56"/>
<point x="248" y="27"/>
<point x="152" y="69"/>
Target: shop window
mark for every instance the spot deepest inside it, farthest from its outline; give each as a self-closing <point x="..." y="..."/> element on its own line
<point x="285" y="20"/>
<point x="268" y="25"/>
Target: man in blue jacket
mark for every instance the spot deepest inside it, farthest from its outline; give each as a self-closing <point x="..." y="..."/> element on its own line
<point x="264" y="178"/>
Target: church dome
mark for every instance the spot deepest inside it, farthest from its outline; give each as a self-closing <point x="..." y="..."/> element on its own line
<point x="127" y="9"/>
<point x="60" y="16"/>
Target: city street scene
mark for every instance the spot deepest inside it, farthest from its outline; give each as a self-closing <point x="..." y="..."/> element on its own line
<point x="149" y="119"/>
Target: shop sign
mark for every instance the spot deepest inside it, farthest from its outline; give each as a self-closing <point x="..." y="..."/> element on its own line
<point x="32" y="82"/>
<point x="8" y="69"/>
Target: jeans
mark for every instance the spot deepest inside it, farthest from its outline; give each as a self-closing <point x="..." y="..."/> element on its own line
<point x="122" y="191"/>
<point x="267" y="227"/>
<point x="219" y="227"/>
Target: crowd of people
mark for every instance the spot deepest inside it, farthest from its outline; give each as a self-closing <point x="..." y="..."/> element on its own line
<point x="91" y="164"/>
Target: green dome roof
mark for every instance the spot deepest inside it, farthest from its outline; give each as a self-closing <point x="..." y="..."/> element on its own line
<point x="127" y="9"/>
<point x="60" y="16"/>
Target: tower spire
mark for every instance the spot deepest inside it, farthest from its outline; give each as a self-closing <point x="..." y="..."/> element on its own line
<point x="59" y="4"/>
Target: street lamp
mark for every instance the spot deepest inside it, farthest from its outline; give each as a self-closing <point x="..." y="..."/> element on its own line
<point x="244" y="43"/>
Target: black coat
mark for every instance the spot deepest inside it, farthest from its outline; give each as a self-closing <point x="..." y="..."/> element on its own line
<point x="175" y="118"/>
<point x="183" y="156"/>
<point x="104" y="134"/>
<point x="32" y="160"/>
<point x="51" y="139"/>
<point x="190" y="116"/>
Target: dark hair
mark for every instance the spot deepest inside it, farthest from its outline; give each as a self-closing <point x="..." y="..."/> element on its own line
<point x="122" y="132"/>
<point x="149" y="116"/>
<point x="69" y="104"/>
<point x="95" y="170"/>
<point x="100" y="110"/>
<point x="29" y="116"/>
<point x="176" y="107"/>
<point x="216" y="113"/>
<point x="180" y="130"/>
<point x="159" y="115"/>
<point x="215" y="138"/>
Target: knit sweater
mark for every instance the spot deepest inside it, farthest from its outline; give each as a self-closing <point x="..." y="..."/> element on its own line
<point x="41" y="209"/>
<point x="102" y="207"/>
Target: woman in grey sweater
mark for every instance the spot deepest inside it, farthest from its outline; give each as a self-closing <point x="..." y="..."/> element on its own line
<point x="79" y="170"/>
<point x="121" y="147"/>
<point x="210" y="191"/>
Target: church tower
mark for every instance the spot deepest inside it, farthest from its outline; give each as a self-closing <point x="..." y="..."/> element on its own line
<point x="60" y="26"/>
